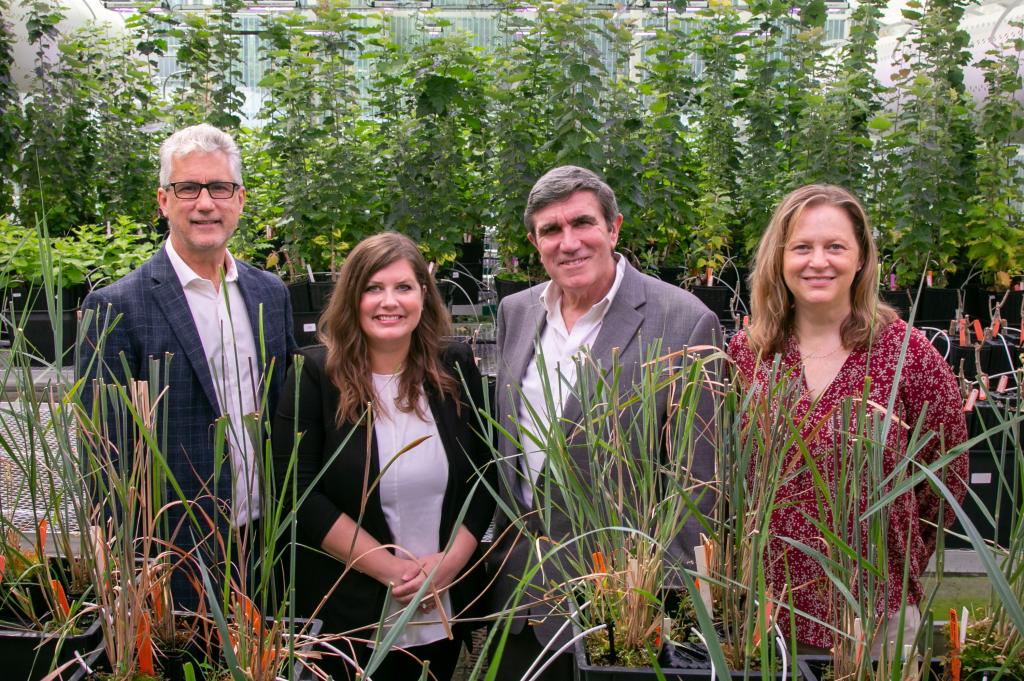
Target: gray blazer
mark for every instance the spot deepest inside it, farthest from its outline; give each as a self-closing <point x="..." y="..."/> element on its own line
<point x="644" y="311"/>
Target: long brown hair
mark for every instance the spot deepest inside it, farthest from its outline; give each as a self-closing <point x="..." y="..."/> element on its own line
<point x="771" y="302"/>
<point x="348" y="358"/>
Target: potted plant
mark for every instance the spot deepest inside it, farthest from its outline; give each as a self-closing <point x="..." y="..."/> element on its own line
<point x="44" y="621"/>
<point x="632" y="603"/>
<point x="141" y="554"/>
<point x="993" y="645"/>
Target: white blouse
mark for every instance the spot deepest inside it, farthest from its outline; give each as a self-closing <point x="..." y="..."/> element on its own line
<point x="412" y="490"/>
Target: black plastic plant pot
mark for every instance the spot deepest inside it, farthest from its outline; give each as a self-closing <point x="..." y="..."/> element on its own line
<point x="23" y="299"/>
<point x="718" y="299"/>
<point x="461" y="287"/>
<point x="38" y="332"/>
<point x="937" y="306"/>
<point x="672" y="274"/>
<point x="310" y="296"/>
<point x="1003" y="358"/>
<point x="506" y="287"/>
<point x="470" y="253"/>
<point x="993" y="495"/>
<point x="899" y="299"/>
<point x="818" y="667"/>
<point x="172" y="666"/>
<point x="29" y="655"/>
<point x="320" y="294"/>
<point x="1011" y="310"/>
<point x="969" y="358"/>
<point x="298" y="292"/>
<point x="697" y="668"/>
<point x="304" y="327"/>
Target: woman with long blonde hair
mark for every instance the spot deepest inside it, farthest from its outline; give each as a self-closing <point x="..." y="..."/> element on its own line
<point x="815" y="302"/>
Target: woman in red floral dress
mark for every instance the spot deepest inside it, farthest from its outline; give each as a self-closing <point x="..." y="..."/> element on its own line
<point x="815" y="302"/>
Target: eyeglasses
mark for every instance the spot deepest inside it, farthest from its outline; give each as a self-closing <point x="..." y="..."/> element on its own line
<point x="191" y="190"/>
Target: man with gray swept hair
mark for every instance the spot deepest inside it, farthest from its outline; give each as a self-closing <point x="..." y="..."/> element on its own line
<point x="596" y="302"/>
<point x="219" y="330"/>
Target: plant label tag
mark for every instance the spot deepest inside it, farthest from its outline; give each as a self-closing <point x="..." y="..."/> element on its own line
<point x="702" y="569"/>
<point x="981" y="478"/>
<point x="308" y="328"/>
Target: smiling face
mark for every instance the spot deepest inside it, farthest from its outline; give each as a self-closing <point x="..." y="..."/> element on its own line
<point x="200" y="227"/>
<point x="390" y="307"/>
<point x="820" y="260"/>
<point x="575" y="243"/>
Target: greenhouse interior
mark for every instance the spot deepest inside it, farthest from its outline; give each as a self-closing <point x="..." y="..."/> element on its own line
<point x="451" y="340"/>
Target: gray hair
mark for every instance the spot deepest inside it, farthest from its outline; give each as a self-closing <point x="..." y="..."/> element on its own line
<point x="203" y="138"/>
<point x="559" y="183"/>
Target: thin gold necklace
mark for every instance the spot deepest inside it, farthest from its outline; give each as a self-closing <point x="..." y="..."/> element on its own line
<point x="804" y="357"/>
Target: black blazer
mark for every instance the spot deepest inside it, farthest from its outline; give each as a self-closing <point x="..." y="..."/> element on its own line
<point x="359" y="599"/>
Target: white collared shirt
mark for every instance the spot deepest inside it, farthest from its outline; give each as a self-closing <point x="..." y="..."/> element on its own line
<point x="224" y="330"/>
<point x="558" y="346"/>
<point x="412" y="487"/>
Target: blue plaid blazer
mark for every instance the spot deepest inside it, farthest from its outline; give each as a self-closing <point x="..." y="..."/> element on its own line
<point x="156" y="323"/>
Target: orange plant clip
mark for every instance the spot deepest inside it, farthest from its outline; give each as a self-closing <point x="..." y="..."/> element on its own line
<point x="954" y="645"/>
<point x="963" y="331"/>
<point x="600" y="567"/>
<point x="144" y="641"/>
<point x="972" y="399"/>
<point x="979" y="333"/>
<point x="62" y="599"/>
<point x="765" y="618"/>
<point x="156" y="595"/>
<point x="41" y="538"/>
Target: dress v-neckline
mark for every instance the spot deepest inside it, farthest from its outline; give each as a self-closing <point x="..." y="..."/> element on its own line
<point x="797" y="359"/>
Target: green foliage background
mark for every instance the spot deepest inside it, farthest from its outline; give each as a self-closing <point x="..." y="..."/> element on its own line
<point x="701" y="121"/>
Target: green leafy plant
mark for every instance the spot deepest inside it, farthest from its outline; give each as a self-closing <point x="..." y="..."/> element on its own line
<point x="931" y="140"/>
<point x="719" y="43"/>
<point x="994" y="228"/>
<point x="431" y="95"/>
<point x="613" y="562"/>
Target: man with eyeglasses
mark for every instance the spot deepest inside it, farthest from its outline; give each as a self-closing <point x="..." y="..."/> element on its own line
<point x="217" y="333"/>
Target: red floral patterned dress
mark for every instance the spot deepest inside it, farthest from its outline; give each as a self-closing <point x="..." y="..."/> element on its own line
<point x="928" y="385"/>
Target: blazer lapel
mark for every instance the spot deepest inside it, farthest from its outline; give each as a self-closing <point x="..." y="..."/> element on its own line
<point x="519" y="349"/>
<point x="252" y="294"/>
<point x="171" y="299"/>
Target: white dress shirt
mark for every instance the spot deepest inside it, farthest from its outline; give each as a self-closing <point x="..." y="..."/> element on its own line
<point x="224" y="330"/>
<point x="411" y="494"/>
<point x="558" y="346"/>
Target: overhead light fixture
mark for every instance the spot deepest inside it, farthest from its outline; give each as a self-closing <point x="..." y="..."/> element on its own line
<point x="269" y="6"/>
<point x="122" y="6"/>
<point x="391" y="4"/>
